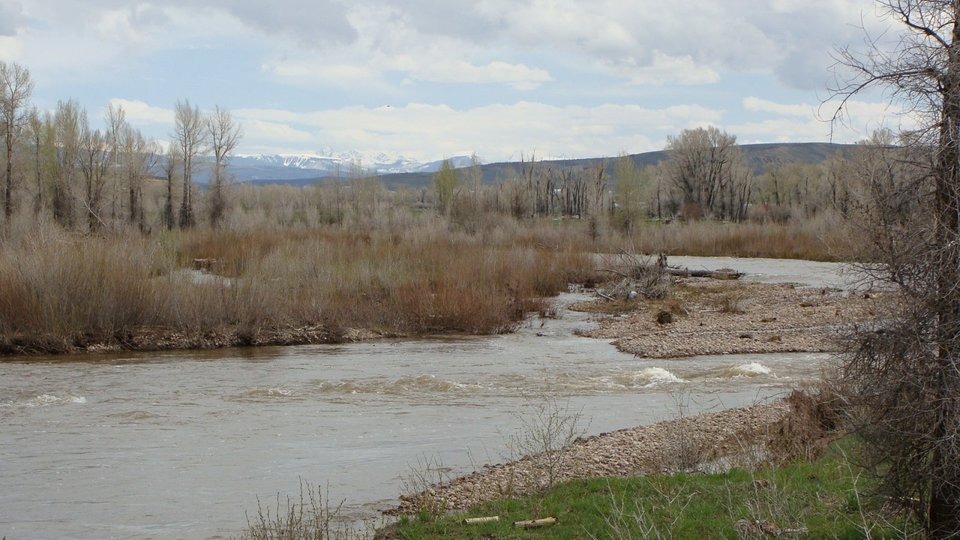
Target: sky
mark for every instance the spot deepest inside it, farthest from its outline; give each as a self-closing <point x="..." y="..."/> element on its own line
<point x="432" y="79"/>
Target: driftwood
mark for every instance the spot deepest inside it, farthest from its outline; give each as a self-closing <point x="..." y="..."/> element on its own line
<point x="723" y="273"/>
<point x="478" y="520"/>
<point x="534" y="523"/>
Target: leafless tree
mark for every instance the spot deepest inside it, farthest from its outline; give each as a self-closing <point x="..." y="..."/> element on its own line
<point x="170" y="165"/>
<point x="189" y="136"/>
<point x="94" y="161"/>
<point x="69" y="122"/>
<point x="705" y="166"/>
<point x="903" y="374"/>
<point x="40" y="132"/>
<point x="15" y="89"/>
<point x="224" y="134"/>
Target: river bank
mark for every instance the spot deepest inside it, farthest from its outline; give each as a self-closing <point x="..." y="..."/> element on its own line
<point x="668" y="446"/>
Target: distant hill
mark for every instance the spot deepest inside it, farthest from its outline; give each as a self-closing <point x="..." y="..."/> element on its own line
<point x="759" y="156"/>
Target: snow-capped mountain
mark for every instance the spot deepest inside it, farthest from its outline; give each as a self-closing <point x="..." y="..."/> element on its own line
<point x="327" y="164"/>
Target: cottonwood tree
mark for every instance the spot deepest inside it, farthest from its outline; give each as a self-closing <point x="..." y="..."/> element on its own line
<point x="189" y="136"/>
<point x="94" y="161"/>
<point x="705" y="166"/>
<point x="903" y="375"/>
<point x="445" y="182"/>
<point x="171" y="164"/>
<point x="69" y="122"/>
<point x="138" y="157"/>
<point x="628" y="193"/>
<point x="224" y="134"/>
<point x="15" y="89"/>
<point x="40" y="133"/>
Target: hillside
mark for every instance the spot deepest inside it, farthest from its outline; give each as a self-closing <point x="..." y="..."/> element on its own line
<point x="758" y="155"/>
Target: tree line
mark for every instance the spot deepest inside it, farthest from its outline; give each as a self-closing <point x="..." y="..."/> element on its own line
<point x="705" y="176"/>
<point x="56" y="164"/>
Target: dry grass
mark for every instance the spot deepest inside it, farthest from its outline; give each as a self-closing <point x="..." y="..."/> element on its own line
<point x="817" y="240"/>
<point x="60" y="291"/>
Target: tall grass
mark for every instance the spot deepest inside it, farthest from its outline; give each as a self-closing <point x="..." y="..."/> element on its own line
<point x="59" y="290"/>
<point x="821" y="239"/>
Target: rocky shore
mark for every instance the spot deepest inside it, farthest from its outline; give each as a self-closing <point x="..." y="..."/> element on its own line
<point x="704" y="316"/>
<point x="682" y="444"/>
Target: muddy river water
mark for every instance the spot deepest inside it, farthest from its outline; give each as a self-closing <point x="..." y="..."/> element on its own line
<point x="182" y="444"/>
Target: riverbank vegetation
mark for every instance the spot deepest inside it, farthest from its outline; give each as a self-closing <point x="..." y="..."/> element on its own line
<point x="61" y="292"/>
<point x="828" y="497"/>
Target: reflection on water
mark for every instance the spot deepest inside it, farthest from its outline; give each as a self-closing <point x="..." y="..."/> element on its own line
<point x="181" y="444"/>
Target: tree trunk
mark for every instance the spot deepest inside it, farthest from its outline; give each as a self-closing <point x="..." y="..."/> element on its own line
<point x="944" y="508"/>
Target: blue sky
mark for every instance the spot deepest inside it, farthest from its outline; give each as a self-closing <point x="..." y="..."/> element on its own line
<point x="428" y="79"/>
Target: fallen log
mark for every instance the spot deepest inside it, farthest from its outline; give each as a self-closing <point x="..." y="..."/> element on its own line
<point x="723" y="273"/>
<point x="534" y="523"/>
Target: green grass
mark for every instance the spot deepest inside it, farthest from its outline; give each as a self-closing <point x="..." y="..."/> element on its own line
<point x="829" y="498"/>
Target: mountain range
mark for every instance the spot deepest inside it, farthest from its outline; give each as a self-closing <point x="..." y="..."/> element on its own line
<point x="297" y="168"/>
<point x="396" y="171"/>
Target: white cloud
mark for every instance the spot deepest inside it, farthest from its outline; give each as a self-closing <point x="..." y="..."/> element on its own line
<point x="673" y="70"/>
<point x="139" y="112"/>
<point x="756" y="104"/>
<point x="495" y="132"/>
<point x="497" y="72"/>
<point x="804" y="122"/>
<point x="276" y="131"/>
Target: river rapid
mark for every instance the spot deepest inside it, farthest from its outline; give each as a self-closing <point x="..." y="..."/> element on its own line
<point x="182" y="444"/>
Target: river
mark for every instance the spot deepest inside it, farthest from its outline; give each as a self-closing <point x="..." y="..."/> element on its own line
<point x="182" y="444"/>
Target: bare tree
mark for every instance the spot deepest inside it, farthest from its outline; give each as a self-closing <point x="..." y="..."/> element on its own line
<point x="170" y="165"/>
<point x="705" y="166"/>
<point x="904" y="373"/>
<point x="69" y="123"/>
<point x="94" y="161"/>
<point x="15" y="89"/>
<point x="139" y="158"/>
<point x="224" y="134"/>
<point x="40" y="133"/>
<point x="189" y="137"/>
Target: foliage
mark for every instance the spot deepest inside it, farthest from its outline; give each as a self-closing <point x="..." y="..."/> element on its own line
<point x="445" y="182"/>
<point x="628" y="194"/>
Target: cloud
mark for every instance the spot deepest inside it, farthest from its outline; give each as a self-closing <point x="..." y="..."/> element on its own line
<point x="756" y="104"/>
<point x="673" y="70"/>
<point x="786" y="122"/>
<point x="139" y="112"/>
<point x="496" y="132"/>
<point x="11" y="17"/>
<point x="518" y="76"/>
<point x="311" y="22"/>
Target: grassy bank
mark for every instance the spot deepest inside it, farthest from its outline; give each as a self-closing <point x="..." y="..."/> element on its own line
<point x="825" y="498"/>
